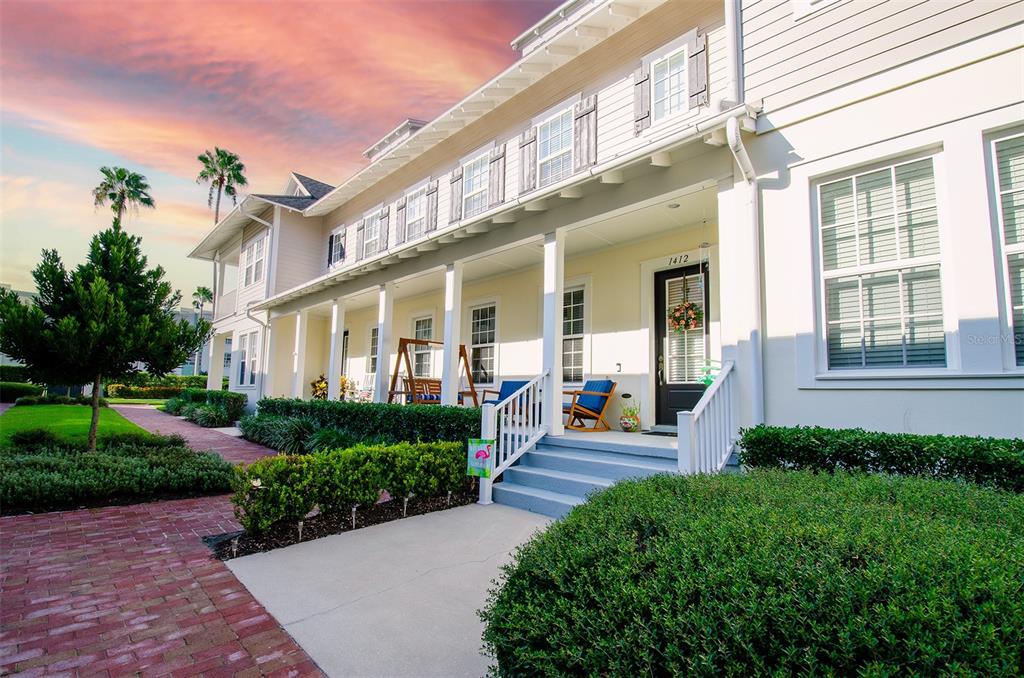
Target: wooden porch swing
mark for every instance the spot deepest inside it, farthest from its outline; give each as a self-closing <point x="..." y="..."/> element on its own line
<point x="425" y="390"/>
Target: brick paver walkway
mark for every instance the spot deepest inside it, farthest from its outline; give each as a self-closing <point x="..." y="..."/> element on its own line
<point x="129" y="590"/>
<point x="231" y="448"/>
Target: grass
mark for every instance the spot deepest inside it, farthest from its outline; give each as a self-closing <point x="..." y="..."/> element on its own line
<point x="136" y="401"/>
<point x="70" y="422"/>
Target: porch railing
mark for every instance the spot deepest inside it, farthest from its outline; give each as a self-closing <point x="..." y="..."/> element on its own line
<point x="707" y="434"/>
<point x="515" y="424"/>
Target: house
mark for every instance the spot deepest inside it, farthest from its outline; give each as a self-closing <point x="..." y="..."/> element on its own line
<point x="836" y="186"/>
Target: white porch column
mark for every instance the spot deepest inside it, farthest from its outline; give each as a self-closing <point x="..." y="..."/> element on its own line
<point x="450" y="381"/>
<point x="299" y="354"/>
<point x="337" y="343"/>
<point x="554" y="280"/>
<point x="215" y="370"/>
<point x="385" y="314"/>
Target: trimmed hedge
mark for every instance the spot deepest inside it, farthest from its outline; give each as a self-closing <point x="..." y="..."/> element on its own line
<point x="10" y="391"/>
<point x="285" y="488"/>
<point x="55" y="477"/>
<point x="58" y="400"/>
<point x="15" y="373"/>
<point x="179" y="381"/>
<point x="396" y="423"/>
<point x="986" y="461"/>
<point x="768" y="573"/>
<point x="124" y="391"/>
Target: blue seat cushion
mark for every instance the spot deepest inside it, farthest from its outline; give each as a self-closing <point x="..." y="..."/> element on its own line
<point x="595" y="403"/>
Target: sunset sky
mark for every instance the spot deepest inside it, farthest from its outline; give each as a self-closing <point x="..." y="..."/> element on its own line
<point x="150" y="85"/>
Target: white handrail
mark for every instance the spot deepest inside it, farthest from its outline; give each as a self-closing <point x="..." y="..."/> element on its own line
<point x="707" y="433"/>
<point x="515" y="424"/>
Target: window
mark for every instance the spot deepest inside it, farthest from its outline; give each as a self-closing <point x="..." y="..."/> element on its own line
<point x="247" y="359"/>
<point x="881" y="271"/>
<point x="338" y="247"/>
<point x="484" y="321"/>
<point x="554" y="148"/>
<point x="372" y="357"/>
<point x="668" y="76"/>
<point x="243" y="343"/>
<point x="254" y="262"/>
<point x="423" y="328"/>
<point x="371" y="234"/>
<point x="1009" y="190"/>
<point x="572" y="336"/>
<point x="253" y="358"/>
<point x="416" y="214"/>
<point x="474" y="186"/>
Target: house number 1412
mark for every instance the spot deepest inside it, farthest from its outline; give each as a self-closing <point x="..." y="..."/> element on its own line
<point x="678" y="259"/>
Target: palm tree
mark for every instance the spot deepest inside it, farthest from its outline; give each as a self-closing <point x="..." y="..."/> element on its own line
<point x="224" y="171"/>
<point x="124" y="190"/>
<point x="200" y="298"/>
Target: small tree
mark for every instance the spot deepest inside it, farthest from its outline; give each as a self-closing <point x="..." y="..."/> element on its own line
<point x="105" y="319"/>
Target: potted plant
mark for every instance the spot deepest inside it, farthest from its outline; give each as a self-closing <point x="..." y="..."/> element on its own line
<point x="629" y="420"/>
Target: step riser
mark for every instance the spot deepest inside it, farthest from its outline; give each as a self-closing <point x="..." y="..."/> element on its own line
<point x="615" y="471"/>
<point x="578" y="488"/>
<point x="557" y="444"/>
<point x="541" y="505"/>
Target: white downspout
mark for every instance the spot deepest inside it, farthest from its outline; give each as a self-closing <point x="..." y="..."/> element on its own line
<point x="734" y="48"/>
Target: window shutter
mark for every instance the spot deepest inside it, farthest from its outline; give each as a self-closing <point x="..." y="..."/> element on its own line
<point x="641" y="98"/>
<point x="400" y="221"/>
<point x="496" y="176"/>
<point x="584" y="133"/>
<point x="698" y="71"/>
<point x="382" y="237"/>
<point x="359" y="241"/>
<point x="528" y="161"/>
<point x="455" y="208"/>
<point x="431" y="206"/>
<point x="330" y="249"/>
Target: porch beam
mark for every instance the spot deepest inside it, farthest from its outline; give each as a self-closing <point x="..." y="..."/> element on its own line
<point x="554" y="284"/>
<point x="385" y="317"/>
<point x="337" y="345"/>
<point x="661" y="159"/>
<point x="299" y="353"/>
<point x="506" y="218"/>
<point x="450" y="367"/>
<point x="612" y="177"/>
<point x="539" y="205"/>
<point x="571" y="193"/>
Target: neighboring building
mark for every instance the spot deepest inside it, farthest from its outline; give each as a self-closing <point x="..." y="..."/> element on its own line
<point x="837" y="185"/>
<point x="189" y="367"/>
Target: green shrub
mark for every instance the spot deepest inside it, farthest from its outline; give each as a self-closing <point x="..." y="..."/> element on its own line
<point x="127" y="391"/>
<point x="26" y="400"/>
<point x="16" y="373"/>
<point x="58" y="400"/>
<point x="291" y="434"/>
<point x="328" y="438"/>
<point x="62" y="477"/>
<point x="232" y="403"/>
<point x="34" y="438"/>
<point x="273" y="490"/>
<point x="342" y="479"/>
<point x="141" y="439"/>
<point x="10" y="391"/>
<point x="986" y="461"/>
<point x="260" y="429"/>
<point x="208" y="416"/>
<point x="174" y="406"/>
<point x="768" y="573"/>
<point x="144" y="379"/>
<point x="396" y="423"/>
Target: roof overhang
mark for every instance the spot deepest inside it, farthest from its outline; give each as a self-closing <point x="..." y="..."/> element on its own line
<point x="228" y="227"/>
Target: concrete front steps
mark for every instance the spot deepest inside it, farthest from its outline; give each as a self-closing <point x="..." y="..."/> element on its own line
<point x="561" y="471"/>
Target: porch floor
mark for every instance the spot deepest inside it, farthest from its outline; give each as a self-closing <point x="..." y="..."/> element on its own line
<point x="623" y="438"/>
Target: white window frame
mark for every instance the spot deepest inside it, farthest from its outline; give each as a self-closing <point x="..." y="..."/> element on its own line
<point x="563" y="111"/>
<point x="371" y="351"/>
<point x="569" y="286"/>
<point x="339" y="240"/>
<point x="478" y="304"/>
<point x="416" y="194"/>
<point x="427" y="351"/>
<point x="1005" y="250"/>
<point x="942" y="260"/>
<point x="665" y="55"/>
<point x="254" y="252"/>
<point x="485" y="183"/>
<point x="372" y="215"/>
<point x="248" y="356"/>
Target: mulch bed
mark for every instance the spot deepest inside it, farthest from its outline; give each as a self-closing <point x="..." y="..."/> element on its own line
<point x="237" y="544"/>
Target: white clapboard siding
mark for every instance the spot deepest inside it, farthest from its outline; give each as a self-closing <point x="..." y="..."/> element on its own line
<point x="789" y="60"/>
<point x="300" y="251"/>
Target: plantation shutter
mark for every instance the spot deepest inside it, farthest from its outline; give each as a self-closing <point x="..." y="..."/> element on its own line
<point x="330" y="249"/>
<point x="697" y="81"/>
<point x="496" y="176"/>
<point x="382" y="237"/>
<point x="528" y="161"/>
<point x="641" y="98"/>
<point x="455" y="192"/>
<point x="685" y="358"/>
<point x="1010" y="177"/>
<point x="400" y="221"/>
<point x="359" y="241"/>
<point x="584" y="133"/>
<point x="431" y="206"/>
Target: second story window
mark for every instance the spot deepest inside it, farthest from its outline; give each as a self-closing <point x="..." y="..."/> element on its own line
<point x="554" y="148"/>
<point x="668" y="78"/>
<point x="254" y="256"/>
<point x="336" y="248"/>
<point x="474" y="186"/>
<point x="416" y="214"/>
<point x="371" y="234"/>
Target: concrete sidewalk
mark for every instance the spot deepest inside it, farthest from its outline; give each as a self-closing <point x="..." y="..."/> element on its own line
<point x="397" y="599"/>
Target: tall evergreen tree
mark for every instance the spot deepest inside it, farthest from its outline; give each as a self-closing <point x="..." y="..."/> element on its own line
<point x="100" y="321"/>
<point x="124" y="190"/>
<point x="224" y="171"/>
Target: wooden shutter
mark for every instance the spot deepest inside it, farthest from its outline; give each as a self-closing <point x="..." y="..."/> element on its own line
<point x="528" y="161"/>
<point x="330" y="249"/>
<point x="455" y="183"/>
<point x="400" y="221"/>
<point x="359" y="241"/>
<point x="584" y="133"/>
<point x="382" y="236"/>
<point x="431" y="206"/>
<point x="641" y="98"/>
<point x="496" y="176"/>
<point x="698" y="70"/>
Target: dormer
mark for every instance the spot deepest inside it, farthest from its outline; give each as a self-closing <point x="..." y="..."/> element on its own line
<point x="394" y="138"/>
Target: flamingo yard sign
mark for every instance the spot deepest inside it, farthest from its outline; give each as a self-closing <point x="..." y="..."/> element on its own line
<point x="478" y="458"/>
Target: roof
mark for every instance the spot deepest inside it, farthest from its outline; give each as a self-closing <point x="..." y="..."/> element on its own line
<point x="316" y="189"/>
<point x="294" y="202"/>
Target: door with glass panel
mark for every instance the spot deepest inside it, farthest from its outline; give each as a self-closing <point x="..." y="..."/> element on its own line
<point x="680" y="353"/>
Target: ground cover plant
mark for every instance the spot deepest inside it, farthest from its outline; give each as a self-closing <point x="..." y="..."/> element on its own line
<point x="986" y="461"/>
<point x="769" y="573"/>
<point x="70" y="423"/>
<point x="211" y="409"/>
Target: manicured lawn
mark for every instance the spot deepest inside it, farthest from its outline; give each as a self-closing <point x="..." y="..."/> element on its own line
<point x="136" y="401"/>
<point x="67" y="421"/>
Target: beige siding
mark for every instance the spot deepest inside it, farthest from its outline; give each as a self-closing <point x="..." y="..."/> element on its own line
<point x="788" y="60"/>
<point x="256" y="291"/>
<point x="301" y="250"/>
